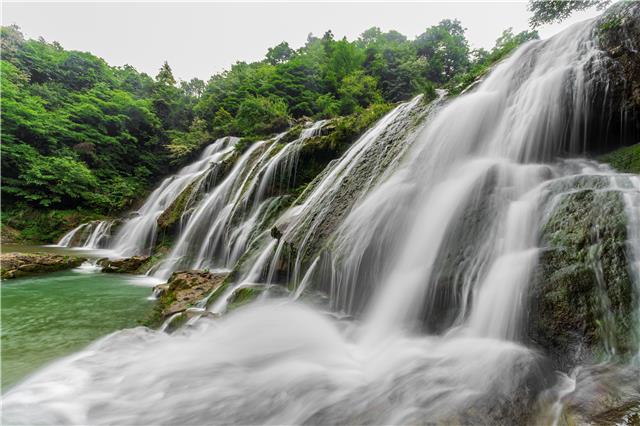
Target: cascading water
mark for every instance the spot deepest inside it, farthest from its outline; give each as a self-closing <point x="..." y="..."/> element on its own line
<point x="435" y="253"/>
<point x="220" y="228"/>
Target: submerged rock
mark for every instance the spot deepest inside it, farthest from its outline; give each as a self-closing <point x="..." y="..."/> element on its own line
<point x="14" y="265"/>
<point x="128" y="265"/>
<point x="582" y="302"/>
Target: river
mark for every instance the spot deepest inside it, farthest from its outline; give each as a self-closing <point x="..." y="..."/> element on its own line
<point x="45" y="317"/>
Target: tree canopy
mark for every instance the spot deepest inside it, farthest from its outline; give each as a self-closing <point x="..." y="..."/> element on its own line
<point x="549" y="11"/>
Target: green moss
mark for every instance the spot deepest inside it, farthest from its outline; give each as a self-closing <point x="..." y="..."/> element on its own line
<point x="625" y="159"/>
<point x="242" y="296"/>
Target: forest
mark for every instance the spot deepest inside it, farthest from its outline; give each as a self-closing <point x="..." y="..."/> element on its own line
<point x="83" y="140"/>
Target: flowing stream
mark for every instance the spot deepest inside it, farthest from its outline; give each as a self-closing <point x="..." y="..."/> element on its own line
<point x="430" y="251"/>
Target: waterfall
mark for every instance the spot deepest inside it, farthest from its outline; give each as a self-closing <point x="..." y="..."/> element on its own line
<point x="90" y="235"/>
<point x="428" y="231"/>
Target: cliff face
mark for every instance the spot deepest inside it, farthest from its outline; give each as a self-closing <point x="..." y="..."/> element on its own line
<point x="618" y="36"/>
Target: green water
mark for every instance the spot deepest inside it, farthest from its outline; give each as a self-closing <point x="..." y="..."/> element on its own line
<point x="49" y="316"/>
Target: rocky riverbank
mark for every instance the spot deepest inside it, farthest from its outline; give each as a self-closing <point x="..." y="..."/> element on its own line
<point x="14" y="265"/>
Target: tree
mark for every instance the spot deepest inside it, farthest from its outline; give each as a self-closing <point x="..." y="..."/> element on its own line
<point x="445" y="48"/>
<point x="358" y="90"/>
<point x="165" y="76"/>
<point x="193" y="88"/>
<point x="258" y="115"/>
<point x="548" y="11"/>
<point x="279" y="54"/>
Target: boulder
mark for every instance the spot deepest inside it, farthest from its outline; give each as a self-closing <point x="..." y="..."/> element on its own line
<point x="604" y="394"/>
<point x="128" y="265"/>
<point x="184" y="289"/>
<point x="14" y="265"/>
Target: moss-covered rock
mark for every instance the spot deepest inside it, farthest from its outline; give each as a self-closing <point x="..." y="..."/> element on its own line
<point x="582" y="302"/>
<point x="9" y="235"/>
<point x="243" y="295"/>
<point x="14" y="265"/>
<point x="183" y="290"/>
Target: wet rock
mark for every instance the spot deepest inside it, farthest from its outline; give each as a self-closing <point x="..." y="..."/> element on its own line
<point x="128" y="265"/>
<point x="14" y="265"/>
<point x="582" y="302"/>
<point x="604" y="395"/>
<point x="184" y="289"/>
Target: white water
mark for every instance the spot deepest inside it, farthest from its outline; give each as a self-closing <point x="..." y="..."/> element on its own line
<point x="446" y="244"/>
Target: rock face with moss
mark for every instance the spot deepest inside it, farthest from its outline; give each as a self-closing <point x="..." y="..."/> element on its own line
<point x="14" y="265"/>
<point x="618" y="36"/>
<point x="582" y="303"/>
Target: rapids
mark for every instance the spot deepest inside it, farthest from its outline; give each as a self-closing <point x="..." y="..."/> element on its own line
<point x="411" y="310"/>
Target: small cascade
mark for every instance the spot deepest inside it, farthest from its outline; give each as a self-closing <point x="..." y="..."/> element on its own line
<point x="250" y="278"/>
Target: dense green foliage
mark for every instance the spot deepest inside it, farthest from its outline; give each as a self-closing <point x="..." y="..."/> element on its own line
<point x="76" y="132"/>
<point x="80" y="135"/>
<point x="548" y="11"/>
